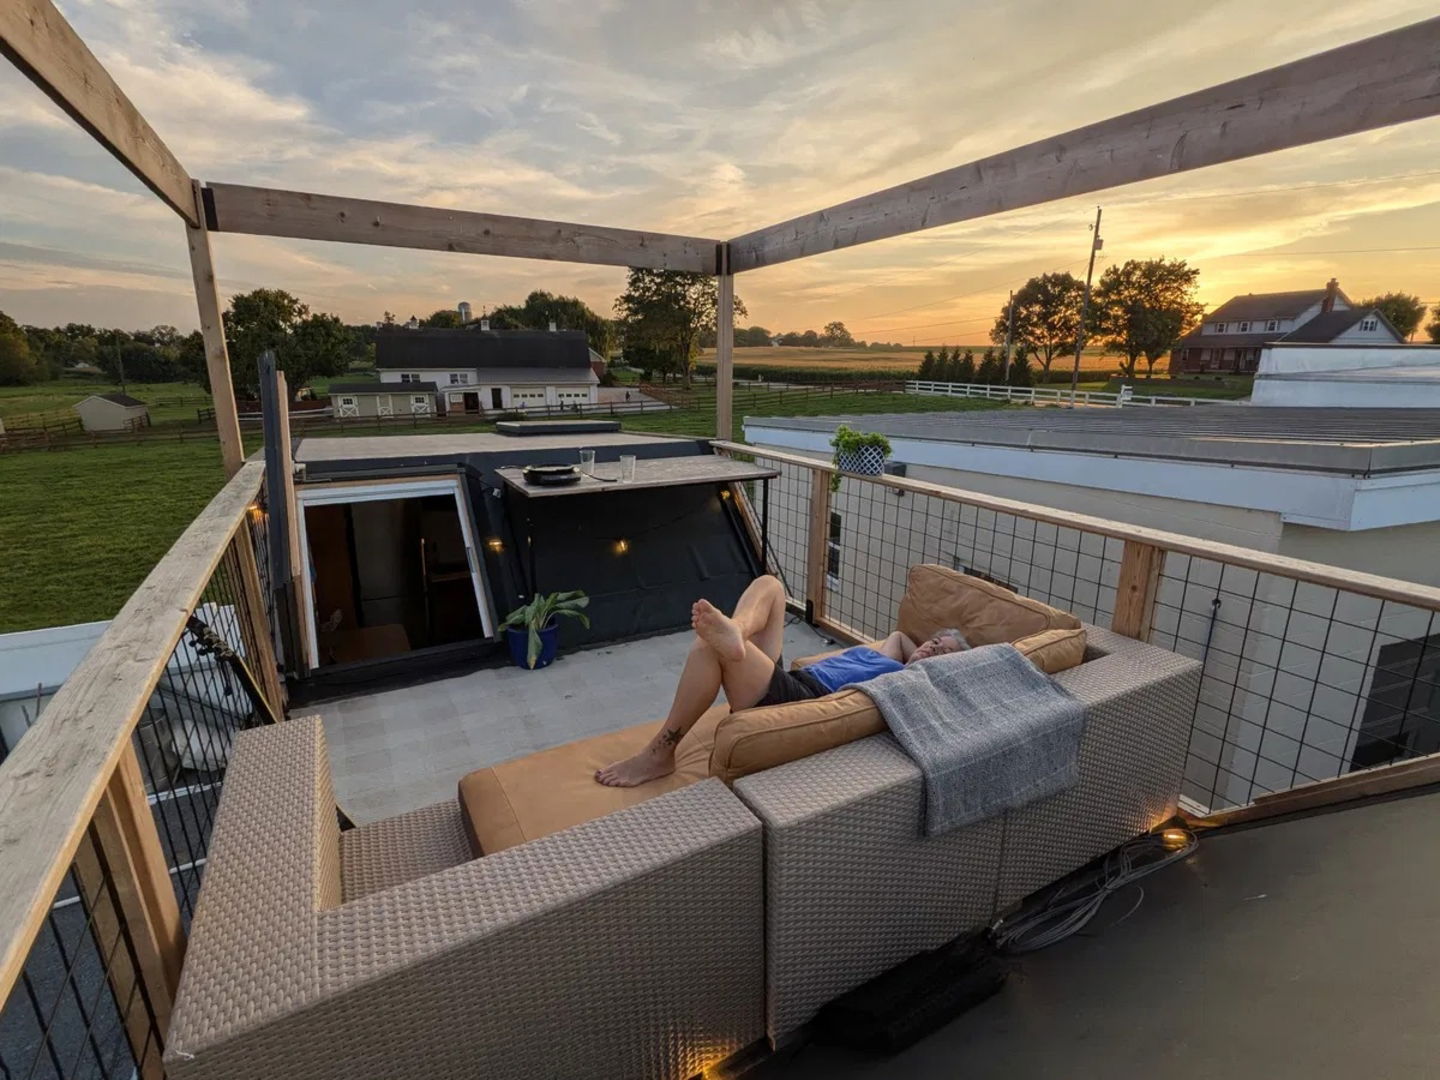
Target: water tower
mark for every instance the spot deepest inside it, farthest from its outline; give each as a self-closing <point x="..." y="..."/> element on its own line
<point x="464" y="309"/>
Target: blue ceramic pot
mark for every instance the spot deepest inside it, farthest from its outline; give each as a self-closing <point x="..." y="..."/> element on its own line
<point x="520" y="644"/>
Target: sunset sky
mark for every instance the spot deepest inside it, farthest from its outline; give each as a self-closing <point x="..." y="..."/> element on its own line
<point x="697" y="116"/>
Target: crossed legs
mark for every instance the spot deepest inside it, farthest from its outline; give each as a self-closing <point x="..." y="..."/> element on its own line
<point x="736" y="653"/>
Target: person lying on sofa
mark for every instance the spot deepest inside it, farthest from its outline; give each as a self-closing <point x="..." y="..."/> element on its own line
<point x="741" y="654"/>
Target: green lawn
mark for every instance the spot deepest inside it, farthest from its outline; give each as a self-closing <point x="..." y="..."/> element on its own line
<point x="82" y="527"/>
<point x="167" y="401"/>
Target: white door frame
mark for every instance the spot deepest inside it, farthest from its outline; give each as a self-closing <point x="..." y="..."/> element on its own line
<point x="350" y="491"/>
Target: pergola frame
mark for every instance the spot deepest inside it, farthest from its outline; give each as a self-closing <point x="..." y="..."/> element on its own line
<point x="1383" y="80"/>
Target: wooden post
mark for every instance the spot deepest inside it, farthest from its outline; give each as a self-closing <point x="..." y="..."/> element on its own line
<point x="144" y="908"/>
<point x="725" y="352"/>
<point x="1140" y="566"/>
<point x="816" y="552"/>
<point x="212" y="330"/>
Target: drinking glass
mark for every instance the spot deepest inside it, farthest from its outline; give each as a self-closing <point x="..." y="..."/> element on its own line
<point x="627" y="468"/>
<point x="587" y="462"/>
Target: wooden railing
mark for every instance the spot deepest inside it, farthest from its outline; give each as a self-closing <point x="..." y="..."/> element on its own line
<point x="84" y="798"/>
<point x="1311" y="672"/>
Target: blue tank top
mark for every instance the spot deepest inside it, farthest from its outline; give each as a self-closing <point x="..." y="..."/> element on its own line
<point x="851" y="666"/>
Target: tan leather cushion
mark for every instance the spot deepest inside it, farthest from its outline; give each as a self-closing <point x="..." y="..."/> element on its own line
<point x="937" y="597"/>
<point x="534" y="796"/>
<point x="1054" y="651"/>
<point x="753" y="740"/>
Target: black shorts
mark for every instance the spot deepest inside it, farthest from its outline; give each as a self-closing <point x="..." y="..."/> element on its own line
<point x="787" y="686"/>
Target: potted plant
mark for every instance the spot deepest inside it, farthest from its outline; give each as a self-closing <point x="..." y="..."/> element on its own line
<point x="533" y="629"/>
<point x="862" y="452"/>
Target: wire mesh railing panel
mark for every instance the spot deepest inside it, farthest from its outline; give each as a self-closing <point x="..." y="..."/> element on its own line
<point x="783" y="515"/>
<point x="1301" y="681"/>
<point x="883" y="531"/>
<point x="81" y="1008"/>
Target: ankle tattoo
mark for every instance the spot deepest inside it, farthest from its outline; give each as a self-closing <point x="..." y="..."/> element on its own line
<point x="669" y="737"/>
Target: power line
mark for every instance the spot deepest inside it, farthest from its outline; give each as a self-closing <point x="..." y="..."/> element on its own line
<point x="1271" y="253"/>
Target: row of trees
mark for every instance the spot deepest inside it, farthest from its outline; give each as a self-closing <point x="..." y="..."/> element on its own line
<point x="34" y="354"/>
<point x="955" y="366"/>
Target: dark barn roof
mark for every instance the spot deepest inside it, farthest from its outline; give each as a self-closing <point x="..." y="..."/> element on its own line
<point x="120" y="399"/>
<point x="477" y="349"/>
<point x="1274" y="305"/>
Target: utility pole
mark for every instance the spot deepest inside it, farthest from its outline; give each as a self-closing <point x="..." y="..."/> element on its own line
<point x="1095" y="245"/>
<point x="119" y="361"/>
<point x="1009" y="334"/>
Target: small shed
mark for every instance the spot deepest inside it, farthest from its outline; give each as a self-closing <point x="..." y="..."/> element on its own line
<point x="112" y="412"/>
<point x="377" y="399"/>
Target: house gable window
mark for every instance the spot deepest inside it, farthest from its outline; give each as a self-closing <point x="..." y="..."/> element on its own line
<point x="1221" y="327"/>
<point x="1369" y="324"/>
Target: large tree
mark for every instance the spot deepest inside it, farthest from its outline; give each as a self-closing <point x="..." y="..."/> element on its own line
<point x="541" y="308"/>
<point x="305" y="345"/>
<point x="663" y="314"/>
<point x="1141" y="308"/>
<point x="835" y="336"/>
<point x="751" y="336"/>
<point x="1047" y="317"/>
<point x="17" y="365"/>
<point x="1433" y="327"/>
<point x="1404" y="310"/>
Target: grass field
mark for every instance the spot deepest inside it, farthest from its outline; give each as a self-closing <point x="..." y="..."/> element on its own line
<point x="81" y="528"/>
<point x="167" y="401"/>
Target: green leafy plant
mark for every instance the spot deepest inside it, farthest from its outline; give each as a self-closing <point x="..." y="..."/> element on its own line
<point x="848" y="440"/>
<point x="540" y="612"/>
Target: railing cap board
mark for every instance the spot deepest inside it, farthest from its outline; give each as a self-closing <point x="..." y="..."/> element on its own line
<point x="52" y="782"/>
<point x="1356" y="581"/>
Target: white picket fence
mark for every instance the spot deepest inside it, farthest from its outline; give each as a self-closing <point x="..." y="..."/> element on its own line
<point x="1034" y="395"/>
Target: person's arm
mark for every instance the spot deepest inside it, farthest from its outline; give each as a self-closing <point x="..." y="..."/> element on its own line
<point x="897" y="647"/>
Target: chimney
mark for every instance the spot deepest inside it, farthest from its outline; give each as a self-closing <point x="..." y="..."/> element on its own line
<point x="484" y="324"/>
<point x="552" y="326"/>
<point x="1331" y="288"/>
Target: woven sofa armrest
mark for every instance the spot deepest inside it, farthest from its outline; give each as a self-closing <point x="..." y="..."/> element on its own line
<point x="852" y="885"/>
<point x="1139" y="707"/>
<point x="629" y="945"/>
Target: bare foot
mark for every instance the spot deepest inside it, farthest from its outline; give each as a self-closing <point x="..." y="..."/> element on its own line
<point x="718" y="630"/>
<point x="649" y="764"/>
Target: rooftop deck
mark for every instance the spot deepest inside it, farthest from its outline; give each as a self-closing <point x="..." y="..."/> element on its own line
<point x="1303" y="948"/>
<point x="401" y="748"/>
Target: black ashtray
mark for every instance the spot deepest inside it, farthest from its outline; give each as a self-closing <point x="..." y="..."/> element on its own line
<point x="551" y="475"/>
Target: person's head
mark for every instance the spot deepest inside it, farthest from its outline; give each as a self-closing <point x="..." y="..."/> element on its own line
<point x="940" y="643"/>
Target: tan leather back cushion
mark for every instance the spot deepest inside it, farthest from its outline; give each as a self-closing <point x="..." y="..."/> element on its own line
<point x="753" y="740"/>
<point x="937" y="597"/>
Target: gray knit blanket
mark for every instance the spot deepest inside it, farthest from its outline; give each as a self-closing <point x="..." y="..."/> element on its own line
<point x="989" y="731"/>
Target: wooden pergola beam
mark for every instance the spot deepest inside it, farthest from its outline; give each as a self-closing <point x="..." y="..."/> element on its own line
<point x="37" y="40"/>
<point x="304" y="216"/>
<point x="1374" y="83"/>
